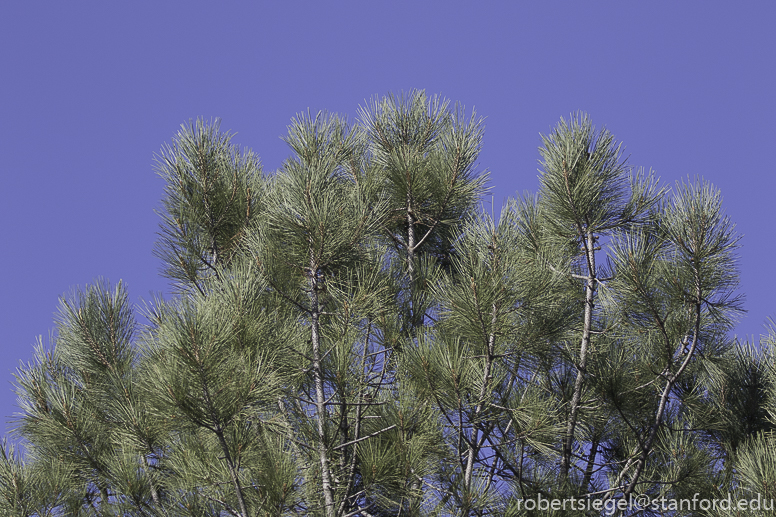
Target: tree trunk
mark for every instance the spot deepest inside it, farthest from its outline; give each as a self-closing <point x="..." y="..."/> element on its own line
<point x="232" y="471"/>
<point x="672" y="379"/>
<point x="473" y="447"/>
<point x="320" y="396"/>
<point x="576" y="398"/>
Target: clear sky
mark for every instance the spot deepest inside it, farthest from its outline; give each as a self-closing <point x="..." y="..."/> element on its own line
<point x="89" y="91"/>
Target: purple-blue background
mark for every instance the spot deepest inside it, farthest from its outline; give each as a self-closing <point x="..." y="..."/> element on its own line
<point x="89" y="91"/>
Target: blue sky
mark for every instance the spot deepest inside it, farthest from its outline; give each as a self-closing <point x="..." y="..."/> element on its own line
<point x="89" y="91"/>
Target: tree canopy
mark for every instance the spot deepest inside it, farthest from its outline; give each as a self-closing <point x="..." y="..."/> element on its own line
<point x="353" y="335"/>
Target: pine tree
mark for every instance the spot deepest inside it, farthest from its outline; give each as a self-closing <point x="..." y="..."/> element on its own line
<point x="317" y="250"/>
<point x="426" y="155"/>
<point x="352" y="336"/>
<point x="213" y="193"/>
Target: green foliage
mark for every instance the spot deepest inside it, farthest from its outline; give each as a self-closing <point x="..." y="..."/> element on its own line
<point x="213" y="192"/>
<point x="352" y="336"/>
